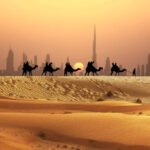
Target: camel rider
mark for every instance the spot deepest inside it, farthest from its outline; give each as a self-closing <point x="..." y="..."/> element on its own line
<point x="50" y="65"/>
<point x="115" y="66"/>
<point x="68" y="65"/>
<point x="90" y="64"/>
<point x="26" y="64"/>
<point x="46" y="65"/>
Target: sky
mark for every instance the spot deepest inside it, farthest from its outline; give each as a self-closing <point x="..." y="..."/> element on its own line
<point x="64" y="28"/>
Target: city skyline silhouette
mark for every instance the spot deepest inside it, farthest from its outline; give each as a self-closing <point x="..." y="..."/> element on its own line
<point x="141" y="69"/>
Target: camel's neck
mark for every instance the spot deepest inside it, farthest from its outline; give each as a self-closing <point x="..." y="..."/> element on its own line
<point x="122" y="70"/>
<point x="34" y="67"/>
<point x="56" y="69"/>
<point x="76" y="69"/>
<point x="100" y="68"/>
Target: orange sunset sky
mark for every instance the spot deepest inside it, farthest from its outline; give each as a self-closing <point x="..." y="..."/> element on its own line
<point x="65" y="28"/>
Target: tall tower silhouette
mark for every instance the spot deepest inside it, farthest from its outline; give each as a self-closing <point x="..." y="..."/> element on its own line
<point x="48" y="58"/>
<point x="25" y="59"/>
<point x="107" y="66"/>
<point x="148" y="64"/>
<point x="94" y="57"/>
<point x="10" y="62"/>
<point x="142" y="70"/>
<point x="138" y="70"/>
<point x="68" y="60"/>
<point x="35" y="60"/>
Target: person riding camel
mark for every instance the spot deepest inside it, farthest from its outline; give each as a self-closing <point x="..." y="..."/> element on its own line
<point x="115" y="66"/>
<point x="46" y="64"/>
<point x="91" y="69"/>
<point x="26" y="64"/>
<point x="70" y="69"/>
<point x="68" y="65"/>
<point x="90" y="64"/>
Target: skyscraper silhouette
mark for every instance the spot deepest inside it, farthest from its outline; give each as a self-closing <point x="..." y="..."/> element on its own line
<point x="61" y="71"/>
<point x="35" y="60"/>
<point x="94" y="55"/>
<point x="107" y="66"/>
<point x="68" y="60"/>
<point x="10" y="63"/>
<point x="25" y="59"/>
<point x="148" y="65"/>
<point x="138" y="70"/>
<point x="142" y="70"/>
<point x="48" y="58"/>
<point x="146" y="70"/>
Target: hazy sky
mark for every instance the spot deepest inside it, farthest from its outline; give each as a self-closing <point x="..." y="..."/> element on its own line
<point x="65" y="28"/>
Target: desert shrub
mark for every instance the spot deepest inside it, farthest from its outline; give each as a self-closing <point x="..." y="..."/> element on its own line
<point x="100" y="99"/>
<point x="109" y="94"/>
<point x="65" y="146"/>
<point x="139" y="101"/>
<point x="41" y="135"/>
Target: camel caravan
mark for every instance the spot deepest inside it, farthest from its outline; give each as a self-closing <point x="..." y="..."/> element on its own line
<point x="90" y="69"/>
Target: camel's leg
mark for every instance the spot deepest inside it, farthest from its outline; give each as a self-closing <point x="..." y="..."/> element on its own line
<point x="65" y="73"/>
<point x="42" y="73"/>
<point x="25" y="73"/>
<point x="111" y="73"/>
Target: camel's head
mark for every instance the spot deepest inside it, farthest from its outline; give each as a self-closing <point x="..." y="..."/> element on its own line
<point x="36" y="66"/>
<point x="100" y="68"/>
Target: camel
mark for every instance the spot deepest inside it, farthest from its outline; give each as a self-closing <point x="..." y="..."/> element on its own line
<point x="50" y="69"/>
<point x="117" y="71"/>
<point x="28" y="68"/>
<point x="93" y="70"/>
<point x="69" y="69"/>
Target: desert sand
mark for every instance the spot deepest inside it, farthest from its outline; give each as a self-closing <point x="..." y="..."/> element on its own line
<point x="74" y="113"/>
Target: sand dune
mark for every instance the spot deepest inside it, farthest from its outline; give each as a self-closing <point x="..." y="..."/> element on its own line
<point x="44" y="125"/>
<point x="74" y="88"/>
<point x="90" y="130"/>
<point x="74" y="113"/>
